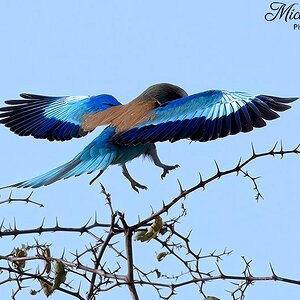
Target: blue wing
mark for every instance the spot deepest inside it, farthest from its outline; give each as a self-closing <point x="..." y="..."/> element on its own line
<point x="205" y="116"/>
<point x="52" y="118"/>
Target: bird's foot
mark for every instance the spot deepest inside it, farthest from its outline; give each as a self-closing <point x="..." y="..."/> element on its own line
<point x="167" y="169"/>
<point x="136" y="186"/>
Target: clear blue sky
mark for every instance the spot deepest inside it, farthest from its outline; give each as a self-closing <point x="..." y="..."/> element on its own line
<point x="121" y="47"/>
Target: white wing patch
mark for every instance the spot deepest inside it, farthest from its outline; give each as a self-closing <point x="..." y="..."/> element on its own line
<point x="75" y="98"/>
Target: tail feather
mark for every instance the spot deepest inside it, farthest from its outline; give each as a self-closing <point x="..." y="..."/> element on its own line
<point x="70" y="169"/>
<point x="98" y="155"/>
<point x="47" y="178"/>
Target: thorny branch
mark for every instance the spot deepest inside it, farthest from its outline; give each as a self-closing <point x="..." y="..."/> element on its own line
<point x="34" y="262"/>
<point x="26" y="200"/>
<point x="93" y="289"/>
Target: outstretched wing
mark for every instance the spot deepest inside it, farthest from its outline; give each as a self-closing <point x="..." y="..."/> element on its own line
<point x="52" y="118"/>
<point x="205" y="116"/>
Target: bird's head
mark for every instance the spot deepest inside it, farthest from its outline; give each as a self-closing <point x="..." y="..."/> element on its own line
<point x="163" y="93"/>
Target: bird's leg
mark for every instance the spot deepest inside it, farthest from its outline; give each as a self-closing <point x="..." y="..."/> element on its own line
<point x="98" y="175"/>
<point x="152" y="152"/>
<point x="134" y="184"/>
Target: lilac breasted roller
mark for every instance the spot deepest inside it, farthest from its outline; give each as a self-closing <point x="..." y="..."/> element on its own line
<point x="163" y="112"/>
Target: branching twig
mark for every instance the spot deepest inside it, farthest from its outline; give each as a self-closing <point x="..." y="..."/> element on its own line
<point x="26" y="200"/>
<point x="100" y="278"/>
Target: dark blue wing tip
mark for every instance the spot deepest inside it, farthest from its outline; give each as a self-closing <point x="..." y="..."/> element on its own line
<point x="38" y="97"/>
<point x="279" y="99"/>
<point x="26" y="117"/>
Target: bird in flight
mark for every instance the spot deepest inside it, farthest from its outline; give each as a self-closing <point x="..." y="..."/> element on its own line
<point x="163" y="112"/>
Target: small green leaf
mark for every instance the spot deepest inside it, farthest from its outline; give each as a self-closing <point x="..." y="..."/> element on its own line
<point x="155" y="228"/>
<point x="20" y="252"/>
<point x="158" y="273"/>
<point x="47" y="288"/>
<point x="160" y="256"/>
<point x="60" y="274"/>
<point x="33" y="292"/>
<point x="151" y="233"/>
<point x="140" y="235"/>
<point x="47" y="254"/>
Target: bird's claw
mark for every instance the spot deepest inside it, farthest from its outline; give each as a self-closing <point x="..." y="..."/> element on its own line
<point x="136" y="186"/>
<point x="167" y="169"/>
